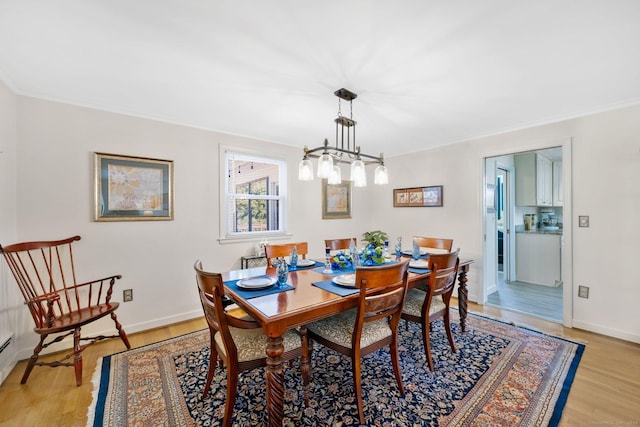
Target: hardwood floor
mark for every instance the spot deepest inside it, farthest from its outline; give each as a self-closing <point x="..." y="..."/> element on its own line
<point x="606" y="389"/>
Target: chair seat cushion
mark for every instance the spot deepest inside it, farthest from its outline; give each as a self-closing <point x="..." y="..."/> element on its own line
<point x="339" y="329"/>
<point x="415" y="299"/>
<point x="251" y="343"/>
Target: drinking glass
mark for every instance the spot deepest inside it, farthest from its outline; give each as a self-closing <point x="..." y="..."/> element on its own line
<point x="415" y="251"/>
<point x="281" y="272"/>
<point x="398" y="247"/>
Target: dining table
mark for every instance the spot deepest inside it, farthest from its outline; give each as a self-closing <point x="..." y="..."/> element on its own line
<point x="309" y="295"/>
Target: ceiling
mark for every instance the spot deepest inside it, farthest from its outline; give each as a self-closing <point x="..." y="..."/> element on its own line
<point x="427" y="73"/>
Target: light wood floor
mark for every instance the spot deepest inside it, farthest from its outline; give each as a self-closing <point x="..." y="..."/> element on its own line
<point x="606" y="389"/>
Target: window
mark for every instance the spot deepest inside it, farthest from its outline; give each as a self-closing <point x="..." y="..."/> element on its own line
<point x="255" y="191"/>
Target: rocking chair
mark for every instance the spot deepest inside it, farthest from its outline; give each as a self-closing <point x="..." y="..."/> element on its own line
<point x="59" y="305"/>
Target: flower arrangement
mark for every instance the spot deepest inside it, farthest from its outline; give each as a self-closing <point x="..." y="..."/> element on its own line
<point x="341" y="261"/>
<point x="372" y="255"/>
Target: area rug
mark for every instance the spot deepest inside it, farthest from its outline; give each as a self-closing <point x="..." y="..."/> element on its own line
<point x="501" y="375"/>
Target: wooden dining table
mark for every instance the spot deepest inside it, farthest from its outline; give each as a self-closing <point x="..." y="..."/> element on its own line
<point x="305" y="303"/>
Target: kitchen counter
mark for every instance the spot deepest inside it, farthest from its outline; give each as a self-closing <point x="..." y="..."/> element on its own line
<point x="539" y="231"/>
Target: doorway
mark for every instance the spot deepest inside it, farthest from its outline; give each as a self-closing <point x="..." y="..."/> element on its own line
<point x="504" y="285"/>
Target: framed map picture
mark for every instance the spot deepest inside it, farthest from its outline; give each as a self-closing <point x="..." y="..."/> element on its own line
<point x="133" y="188"/>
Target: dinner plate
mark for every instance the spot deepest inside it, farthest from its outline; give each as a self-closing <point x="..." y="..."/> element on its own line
<point x="305" y="262"/>
<point x="347" y="280"/>
<point x="256" y="282"/>
<point x="410" y="252"/>
<point x="419" y="263"/>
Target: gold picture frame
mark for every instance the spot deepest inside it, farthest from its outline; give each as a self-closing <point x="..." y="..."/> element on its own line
<point x="131" y="188"/>
<point x="336" y="200"/>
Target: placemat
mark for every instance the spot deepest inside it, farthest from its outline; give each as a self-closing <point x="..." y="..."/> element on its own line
<point x="328" y="285"/>
<point x="418" y="270"/>
<point x="248" y="294"/>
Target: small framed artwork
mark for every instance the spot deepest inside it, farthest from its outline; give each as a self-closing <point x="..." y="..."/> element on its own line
<point x="133" y="188"/>
<point x="336" y="200"/>
<point x="419" y="196"/>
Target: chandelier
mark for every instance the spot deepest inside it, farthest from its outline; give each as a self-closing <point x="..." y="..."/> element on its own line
<point x="344" y="151"/>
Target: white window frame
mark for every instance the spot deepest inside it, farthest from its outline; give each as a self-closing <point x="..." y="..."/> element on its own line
<point x="227" y="234"/>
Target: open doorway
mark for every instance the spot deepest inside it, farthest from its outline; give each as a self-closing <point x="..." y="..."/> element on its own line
<point x="524" y="235"/>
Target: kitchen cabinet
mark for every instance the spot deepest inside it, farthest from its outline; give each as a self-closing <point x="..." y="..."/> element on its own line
<point x="534" y="180"/>
<point x="558" y="189"/>
<point x="538" y="258"/>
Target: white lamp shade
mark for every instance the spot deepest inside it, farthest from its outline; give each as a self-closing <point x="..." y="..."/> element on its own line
<point x="336" y="176"/>
<point x="381" y="176"/>
<point x="325" y="166"/>
<point x="358" y="174"/>
<point x="305" y="170"/>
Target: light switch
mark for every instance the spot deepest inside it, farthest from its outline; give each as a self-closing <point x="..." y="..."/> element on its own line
<point x="583" y="221"/>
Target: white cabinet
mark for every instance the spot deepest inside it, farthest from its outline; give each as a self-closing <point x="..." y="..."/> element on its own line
<point x="538" y="258"/>
<point x="558" y="189"/>
<point x="534" y="180"/>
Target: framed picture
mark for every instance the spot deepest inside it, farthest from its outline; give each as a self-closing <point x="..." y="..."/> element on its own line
<point x="133" y="188"/>
<point x="419" y="196"/>
<point x="336" y="200"/>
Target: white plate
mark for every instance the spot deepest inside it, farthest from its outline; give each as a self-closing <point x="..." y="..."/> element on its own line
<point x="256" y="282"/>
<point x="410" y="252"/>
<point x="419" y="263"/>
<point x="305" y="262"/>
<point x="348" y="280"/>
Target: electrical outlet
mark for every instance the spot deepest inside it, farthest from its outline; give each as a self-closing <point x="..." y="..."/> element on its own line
<point x="127" y="295"/>
<point x="583" y="291"/>
<point x="583" y="221"/>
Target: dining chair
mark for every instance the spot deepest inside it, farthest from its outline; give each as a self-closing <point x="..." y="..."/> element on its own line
<point x="284" y="250"/>
<point x="372" y="325"/>
<point x="428" y="304"/>
<point x="339" y="244"/>
<point x="240" y="343"/>
<point x="434" y="245"/>
<point x="59" y="305"/>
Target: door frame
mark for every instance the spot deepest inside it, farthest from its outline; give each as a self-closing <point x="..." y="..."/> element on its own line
<point x="489" y="267"/>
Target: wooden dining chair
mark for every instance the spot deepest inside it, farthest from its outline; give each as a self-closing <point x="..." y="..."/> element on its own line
<point x="428" y="304"/>
<point x="284" y="250"/>
<point x="59" y="305"/>
<point x="434" y="245"/>
<point x="369" y="327"/>
<point x="339" y="244"/>
<point x="240" y="343"/>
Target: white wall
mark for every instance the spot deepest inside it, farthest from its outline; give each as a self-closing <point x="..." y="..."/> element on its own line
<point x="605" y="185"/>
<point x="8" y="311"/>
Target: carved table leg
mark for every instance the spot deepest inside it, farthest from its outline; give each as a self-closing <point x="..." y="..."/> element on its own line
<point x="305" y="365"/>
<point x="463" y="295"/>
<point x="275" y="381"/>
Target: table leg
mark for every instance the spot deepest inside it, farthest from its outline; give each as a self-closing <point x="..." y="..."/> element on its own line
<point x="463" y="297"/>
<point x="275" y="381"/>
<point x="305" y="365"/>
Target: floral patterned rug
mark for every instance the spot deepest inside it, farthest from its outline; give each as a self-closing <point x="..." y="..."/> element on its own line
<point x="501" y="375"/>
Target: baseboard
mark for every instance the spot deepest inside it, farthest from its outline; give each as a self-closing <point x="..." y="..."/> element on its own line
<point x="67" y="343"/>
<point x="610" y="332"/>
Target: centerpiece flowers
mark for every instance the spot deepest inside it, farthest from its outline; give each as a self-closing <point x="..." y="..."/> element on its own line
<point x="341" y="261"/>
<point x="372" y="255"/>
